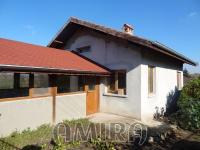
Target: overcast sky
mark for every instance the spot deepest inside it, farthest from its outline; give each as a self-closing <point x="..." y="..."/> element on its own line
<point x="175" y="23"/>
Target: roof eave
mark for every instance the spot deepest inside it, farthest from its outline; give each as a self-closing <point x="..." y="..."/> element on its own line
<point x="49" y="70"/>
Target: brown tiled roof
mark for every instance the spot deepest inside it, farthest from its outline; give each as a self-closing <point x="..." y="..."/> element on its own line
<point x="73" y="24"/>
<point x="23" y="56"/>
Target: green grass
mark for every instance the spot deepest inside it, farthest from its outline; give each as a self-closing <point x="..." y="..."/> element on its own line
<point x="39" y="136"/>
<point x="83" y="121"/>
<point x="27" y="137"/>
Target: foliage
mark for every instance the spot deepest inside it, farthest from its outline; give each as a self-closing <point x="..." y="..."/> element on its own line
<point x="59" y="144"/>
<point x="189" y="105"/>
<point x="83" y="121"/>
<point x="186" y="73"/>
<point x="100" y="144"/>
<point x="26" y="137"/>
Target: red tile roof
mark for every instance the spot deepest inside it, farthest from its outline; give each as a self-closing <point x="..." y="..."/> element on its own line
<point x="19" y="55"/>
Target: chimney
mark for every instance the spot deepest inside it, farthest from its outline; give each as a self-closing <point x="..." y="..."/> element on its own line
<point x="128" y="29"/>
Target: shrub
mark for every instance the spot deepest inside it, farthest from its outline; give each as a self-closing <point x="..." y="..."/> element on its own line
<point x="189" y="105"/>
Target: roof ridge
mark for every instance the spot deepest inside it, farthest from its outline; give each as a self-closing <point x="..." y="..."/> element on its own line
<point x="75" y="19"/>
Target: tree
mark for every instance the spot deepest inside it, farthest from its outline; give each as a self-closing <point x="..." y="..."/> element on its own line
<point x="186" y="73"/>
<point x="189" y="105"/>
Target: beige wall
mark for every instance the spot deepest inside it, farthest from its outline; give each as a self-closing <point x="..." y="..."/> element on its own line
<point x="21" y="114"/>
<point x="70" y="107"/>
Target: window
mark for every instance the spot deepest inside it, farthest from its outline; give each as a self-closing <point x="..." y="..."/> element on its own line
<point x="84" y="49"/>
<point x="117" y="82"/>
<point x="6" y="80"/>
<point x="10" y="86"/>
<point x="24" y="80"/>
<point x="63" y="83"/>
<point x="151" y="79"/>
<point x="179" y="80"/>
<point x="91" y="82"/>
<point x="41" y="85"/>
<point x="68" y="84"/>
<point x="41" y="80"/>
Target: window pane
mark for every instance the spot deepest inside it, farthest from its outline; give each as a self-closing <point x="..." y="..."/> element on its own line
<point x="70" y="83"/>
<point x="63" y="82"/>
<point x="122" y="82"/>
<point x="179" y="80"/>
<point x="84" y="49"/>
<point x="41" y="80"/>
<point x="24" y="80"/>
<point x="111" y="84"/>
<point x="41" y="85"/>
<point x="81" y="82"/>
<point x="6" y="80"/>
<point x="7" y="87"/>
<point x="91" y="83"/>
<point x="74" y="84"/>
<point x="117" y="82"/>
<point x="151" y="79"/>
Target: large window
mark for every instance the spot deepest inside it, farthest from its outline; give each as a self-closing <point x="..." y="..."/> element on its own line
<point x="13" y="85"/>
<point x="38" y="84"/>
<point x="24" y="80"/>
<point x="117" y="82"/>
<point x="68" y="84"/>
<point x="41" y="80"/>
<point x="151" y="79"/>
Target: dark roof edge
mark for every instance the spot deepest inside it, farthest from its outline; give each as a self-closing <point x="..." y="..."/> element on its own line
<point x="135" y="39"/>
<point x="48" y="70"/>
<point x="168" y="49"/>
<point x="59" y="31"/>
<point x="94" y="62"/>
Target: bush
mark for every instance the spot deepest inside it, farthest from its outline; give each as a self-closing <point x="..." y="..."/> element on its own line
<point x="189" y="105"/>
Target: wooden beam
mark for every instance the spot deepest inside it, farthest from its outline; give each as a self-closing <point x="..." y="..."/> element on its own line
<point x="53" y="85"/>
<point x="116" y="81"/>
<point x="56" y="41"/>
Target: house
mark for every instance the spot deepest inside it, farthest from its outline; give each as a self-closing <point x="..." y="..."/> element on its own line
<point x="85" y="69"/>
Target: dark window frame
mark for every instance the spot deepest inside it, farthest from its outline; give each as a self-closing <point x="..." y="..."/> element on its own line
<point x="84" y="49"/>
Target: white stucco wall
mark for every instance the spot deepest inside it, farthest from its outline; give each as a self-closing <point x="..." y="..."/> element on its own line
<point x="114" y="56"/>
<point x="70" y="107"/>
<point x="21" y="114"/>
<point x="165" y="83"/>
<point x="118" y="55"/>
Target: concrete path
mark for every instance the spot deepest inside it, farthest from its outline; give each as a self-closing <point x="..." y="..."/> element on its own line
<point x="112" y="118"/>
<point x="152" y="128"/>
